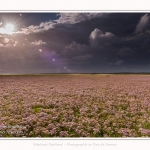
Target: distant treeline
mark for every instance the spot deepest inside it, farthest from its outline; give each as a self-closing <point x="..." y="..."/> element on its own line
<point x="95" y="73"/>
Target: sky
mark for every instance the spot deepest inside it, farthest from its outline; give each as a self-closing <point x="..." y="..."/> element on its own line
<point x="74" y="42"/>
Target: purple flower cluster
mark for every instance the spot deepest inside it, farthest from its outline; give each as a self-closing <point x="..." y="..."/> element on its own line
<point x="75" y="106"/>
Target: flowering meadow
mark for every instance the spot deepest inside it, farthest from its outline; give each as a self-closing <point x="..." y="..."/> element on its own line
<point x="85" y="105"/>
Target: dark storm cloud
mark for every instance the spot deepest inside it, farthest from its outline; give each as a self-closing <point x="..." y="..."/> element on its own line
<point x="125" y="52"/>
<point x="146" y="44"/>
<point x="119" y="62"/>
<point x="83" y="57"/>
<point x="75" y="49"/>
<point x="89" y="42"/>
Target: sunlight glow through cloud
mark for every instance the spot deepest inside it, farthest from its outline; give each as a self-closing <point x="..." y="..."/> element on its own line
<point x="8" y="29"/>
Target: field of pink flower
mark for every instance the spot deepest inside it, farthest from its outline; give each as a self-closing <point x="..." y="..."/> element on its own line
<point x="75" y="106"/>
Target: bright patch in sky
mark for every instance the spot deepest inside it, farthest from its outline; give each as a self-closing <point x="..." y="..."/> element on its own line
<point x="8" y="29"/>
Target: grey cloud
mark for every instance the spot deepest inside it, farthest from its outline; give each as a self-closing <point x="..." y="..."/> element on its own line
<point x="6" y="40"/>
<point x="72" y="18"/>
<point x="38" y="28"/>
<point x="146" y="44"/>
<point x="65" y="18"/>
<point x="75" y="49"/>
<point x="15" y="43"/>
<point x="119" y="62"/>
<point x="1" y="45"/>
<point x="98" y="38"/>
<point x="126" y="52"/>
<point x="83" y="57"/>
<point x="40" y="42"/>
<point x="142" y="23"/>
